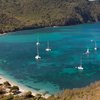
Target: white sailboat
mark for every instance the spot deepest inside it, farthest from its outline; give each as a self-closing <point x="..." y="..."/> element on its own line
<point x="48" y="47"/>
<point x="95" y="45"/>
<point x="87" y="51"/>
<point x="80" y="66"/>
<point x="37" y="43"/>
<point x="37" y="56"/>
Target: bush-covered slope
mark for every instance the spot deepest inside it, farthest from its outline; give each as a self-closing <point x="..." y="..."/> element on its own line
<point x="91" y="92"/>
<point x="19" y="14"/>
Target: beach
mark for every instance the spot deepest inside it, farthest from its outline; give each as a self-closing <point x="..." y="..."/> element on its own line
<point x="22" y="88"/>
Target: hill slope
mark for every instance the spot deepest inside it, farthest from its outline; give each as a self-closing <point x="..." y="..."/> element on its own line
<point x="19" y="14"/>
<point x="91" y="92"/>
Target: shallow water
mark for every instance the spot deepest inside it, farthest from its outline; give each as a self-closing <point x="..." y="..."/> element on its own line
<point x="56" y="70"/>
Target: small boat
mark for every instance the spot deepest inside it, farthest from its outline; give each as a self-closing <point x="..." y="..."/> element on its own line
<point x="48" y="48"/>
<point x="95" y="48"/>
<point x="87" y="52"/>
<point x="37" y="56"/>
<point x="80" y="66"/>
<point x="37" y="43"/>
<point x="95" y="45"/>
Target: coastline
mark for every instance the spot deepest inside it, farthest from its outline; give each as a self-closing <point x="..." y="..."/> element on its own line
<point x="3" y="34"/>
<point x="31" y="28"/>
<point x="92" y="89"/>
<point x="23" y="89"/>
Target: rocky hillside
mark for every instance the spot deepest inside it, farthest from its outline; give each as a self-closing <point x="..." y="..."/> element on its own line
<point x="23" y="14"/>
<point x="92" y="92"/>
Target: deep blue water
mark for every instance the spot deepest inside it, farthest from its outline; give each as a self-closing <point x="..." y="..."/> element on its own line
<point x="56" y="70"/>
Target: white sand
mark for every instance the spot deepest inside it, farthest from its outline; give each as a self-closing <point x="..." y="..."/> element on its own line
<point x="22" y="88"/>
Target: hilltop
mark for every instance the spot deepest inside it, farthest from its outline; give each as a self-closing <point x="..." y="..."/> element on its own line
<point x="25" y="14"/>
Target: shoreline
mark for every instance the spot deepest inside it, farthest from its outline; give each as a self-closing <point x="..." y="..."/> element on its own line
<point x="31" y="28"/>
<point x="3" y="34"/>
<point x="23" y="89"/>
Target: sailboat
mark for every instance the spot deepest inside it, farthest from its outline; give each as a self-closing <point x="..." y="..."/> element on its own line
<point x="87" y="51"/>
<point x="80" y="66"/>
<point x="95" y="45"/>
<point x="37" y="43"/>
<point x="37" y="56"/>
<point x="48" y="48"/>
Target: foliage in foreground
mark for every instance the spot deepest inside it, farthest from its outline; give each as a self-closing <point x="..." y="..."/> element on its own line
<point x="91" y="92"/>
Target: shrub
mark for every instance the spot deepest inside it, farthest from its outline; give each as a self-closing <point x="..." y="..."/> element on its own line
<point x="2" y="91"/>
<point x="7" y="84"/>
<point x="14" y="89"/>
<point x="8" y="97"/>
<point x="28" y="94"/>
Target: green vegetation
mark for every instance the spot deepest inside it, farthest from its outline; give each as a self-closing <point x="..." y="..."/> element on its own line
<point x="8" y="97"/>
<point x="2" y="91"/>
<point x="28" y="94"/>
<point x="14" y="89"/>
<point x="12" y="93"/>
<point x="91" y="92"/>
<point x="23" y="14"/>
<point x="7" y="84"/>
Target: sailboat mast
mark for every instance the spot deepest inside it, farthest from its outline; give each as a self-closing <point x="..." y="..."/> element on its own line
<point x="48" y="44"/>
<point x="37" y="50"/>
<point x="95" y="44"/>
<point x="37" y="37"/>
<point x="81" y="61"/>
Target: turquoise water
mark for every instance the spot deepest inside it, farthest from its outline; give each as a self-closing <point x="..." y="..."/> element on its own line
<point x="56" y="70"/>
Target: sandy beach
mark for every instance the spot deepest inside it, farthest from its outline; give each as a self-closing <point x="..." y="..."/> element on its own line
<point x="22" y="88"/>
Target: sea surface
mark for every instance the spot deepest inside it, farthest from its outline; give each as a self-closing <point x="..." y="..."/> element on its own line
<point x="56" y="70"/>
